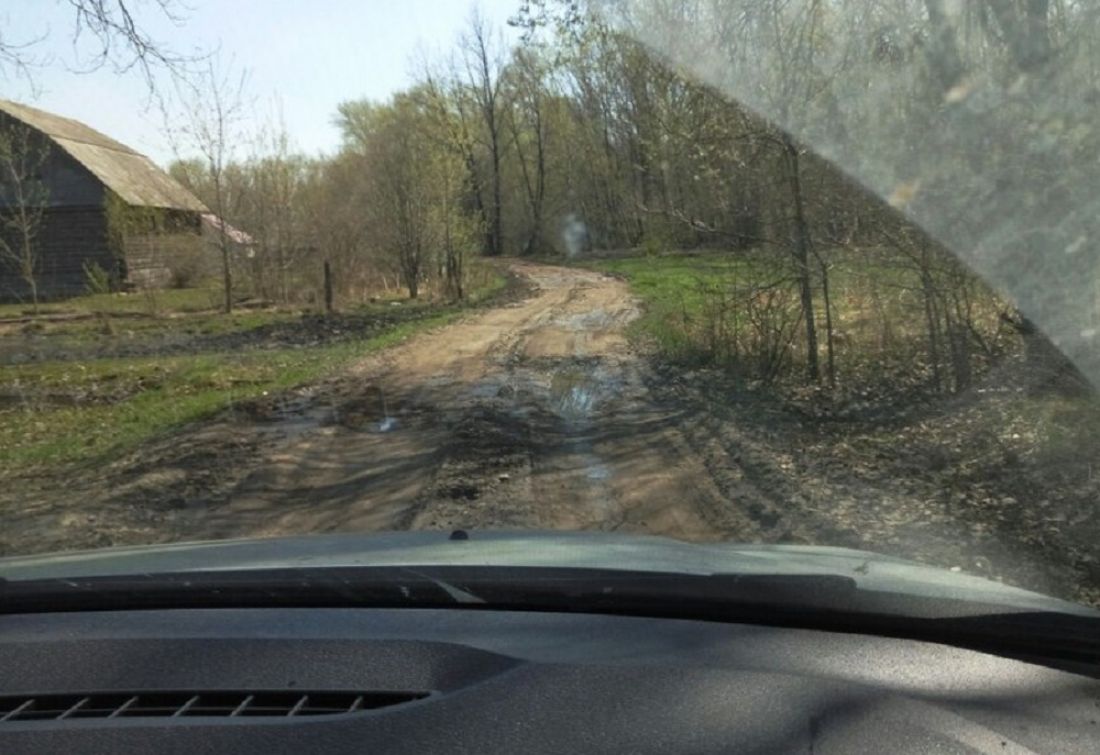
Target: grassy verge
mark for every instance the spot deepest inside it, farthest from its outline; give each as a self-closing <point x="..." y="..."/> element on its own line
<point x="54" y="413"/>
<point x="141" y="303"/>
<point x="675" y="291"/>
<point x="124" y="402"/>
<point x="741" y="311"/>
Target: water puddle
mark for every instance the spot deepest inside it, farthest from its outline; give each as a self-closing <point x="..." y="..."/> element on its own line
<point x="595" y="319"/>
<point x="489" y="389"/>
<point x="574" y="393"/>
<point x="597" y="470"/>
<point x="289" y="416"/>
<point x="387" y="424"/>
<point x="369" y="412"/>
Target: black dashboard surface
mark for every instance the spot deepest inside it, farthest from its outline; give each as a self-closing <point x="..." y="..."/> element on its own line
<point x="535" y="682"/>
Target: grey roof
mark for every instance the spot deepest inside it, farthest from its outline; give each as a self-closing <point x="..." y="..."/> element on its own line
<point x="132" y="176"/>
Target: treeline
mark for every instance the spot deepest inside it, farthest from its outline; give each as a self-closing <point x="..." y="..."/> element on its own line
<point x="578" y="139"/>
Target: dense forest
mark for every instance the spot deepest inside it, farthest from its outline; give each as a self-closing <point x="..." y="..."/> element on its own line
<point x="580" y="141"/>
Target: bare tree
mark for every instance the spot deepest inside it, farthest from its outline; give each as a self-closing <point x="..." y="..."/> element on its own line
<point x="212" y="112"/>
<point x="107" y="32"/>
<point x="273" y="178"/>
<point x="481" y="57"/>
<point x="527" y="122"/>
<point x="23" y="201"/>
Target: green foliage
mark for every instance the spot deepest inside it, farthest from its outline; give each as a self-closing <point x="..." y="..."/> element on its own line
<point x="74" y="410"/>
<point x="97" y="280"/>
<point x="128" y="401"/>
<point x="189" y="265"/>
<point x="124" y="221"/>
<point x="173" y="300"/>
<point x="738" y="311"/>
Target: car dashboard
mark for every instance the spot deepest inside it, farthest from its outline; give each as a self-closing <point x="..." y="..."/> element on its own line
<point x="476" y="680"/>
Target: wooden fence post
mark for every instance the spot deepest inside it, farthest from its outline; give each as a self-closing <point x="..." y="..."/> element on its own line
<point x="328" y="287"/>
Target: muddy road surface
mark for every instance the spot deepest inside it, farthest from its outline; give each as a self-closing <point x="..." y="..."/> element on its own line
<point x="539" y="414"/>
<point x="535" y="414"/>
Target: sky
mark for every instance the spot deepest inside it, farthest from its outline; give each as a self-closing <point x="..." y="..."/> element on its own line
<point x="301" y="57"/>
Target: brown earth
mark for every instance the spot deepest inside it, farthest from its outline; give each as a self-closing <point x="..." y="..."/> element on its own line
<point x="535" y="414"/>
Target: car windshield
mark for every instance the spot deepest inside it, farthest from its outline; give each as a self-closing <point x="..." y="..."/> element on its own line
<point x="768" y="272"/>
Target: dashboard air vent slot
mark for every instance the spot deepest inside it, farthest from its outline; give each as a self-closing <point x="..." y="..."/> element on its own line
<point x="194" y="704"/>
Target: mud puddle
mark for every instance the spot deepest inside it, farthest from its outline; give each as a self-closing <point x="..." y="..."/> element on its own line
<point x="574" y="394"/>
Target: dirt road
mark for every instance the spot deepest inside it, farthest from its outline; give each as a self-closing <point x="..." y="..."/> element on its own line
<point x="538" y="414"/>
<point x="533" y="415"/>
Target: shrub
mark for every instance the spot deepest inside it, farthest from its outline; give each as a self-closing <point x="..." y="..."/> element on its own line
<point x="96" y="279"/>
<point x="188" y="267"/>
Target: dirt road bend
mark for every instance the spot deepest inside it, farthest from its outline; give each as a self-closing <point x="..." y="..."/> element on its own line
<point x="531" y="415"/>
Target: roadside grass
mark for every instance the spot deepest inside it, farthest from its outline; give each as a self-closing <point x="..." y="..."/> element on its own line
<point x="112" y="405"/>
<point x="673" y="289"/>
<point x="56" y="413"/>
<point x="140" y="303"/>
<point x="142" y="327"/>
<point x="695" y="302"/>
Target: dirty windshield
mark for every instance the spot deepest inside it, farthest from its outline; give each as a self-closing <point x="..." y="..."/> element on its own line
<point x="783" y="272"/>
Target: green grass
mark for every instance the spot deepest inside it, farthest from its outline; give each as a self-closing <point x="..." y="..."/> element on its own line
<point x="140" y="303"/>
<point x="697" y="310"/>
<point x="673" y="282"/>
<point x="55" y="413"/>
<point x="675" y="290"/>
<point x="125" y="402"/>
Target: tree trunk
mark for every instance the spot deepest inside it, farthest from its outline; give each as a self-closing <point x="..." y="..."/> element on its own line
<point x="933" y="328"/>
<point x="28" y="261"/>
<point x="227" y="280"/>
<point x="959" y="350"/>
<point x="540" y="186"/>
<point x="475" y="198"/>
<point x="960" y="354"/>
<point x="801" y="253"/>
<point x="328" y="287"/>
<point x="827" y="301"/>
<point x="497" y="247"/>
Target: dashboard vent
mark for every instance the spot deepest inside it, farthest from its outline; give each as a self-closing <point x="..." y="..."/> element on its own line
<point x="195" y="704"/>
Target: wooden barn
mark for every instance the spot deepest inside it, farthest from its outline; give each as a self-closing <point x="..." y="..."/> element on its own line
<point x="94" y="205"/>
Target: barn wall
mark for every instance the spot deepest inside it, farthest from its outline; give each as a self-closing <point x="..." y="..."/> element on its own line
<point x="157" y="260"/>
<point x="86" y="224"/>
<point x="71" y="238"/>
<point x="70" y="184"/>
<point x="160" y="247"/>
<point x="73" y="230"/>
<point x="67" y="240"/>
